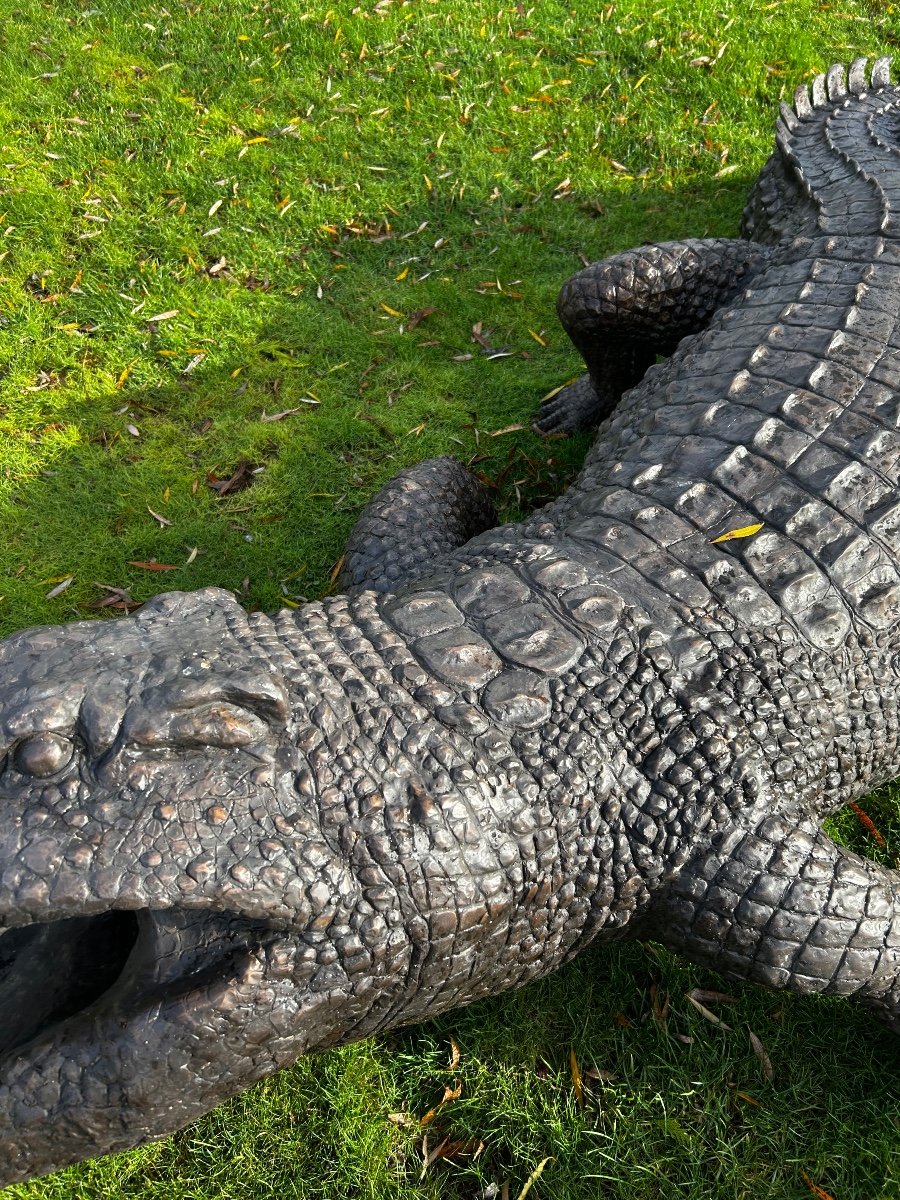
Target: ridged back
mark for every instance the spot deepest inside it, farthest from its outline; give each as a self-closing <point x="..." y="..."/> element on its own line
<point x="785" y="411"/>
<point x="836" y="165"/>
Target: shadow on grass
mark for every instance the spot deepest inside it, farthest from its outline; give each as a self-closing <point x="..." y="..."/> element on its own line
<point x="82" y="488"/>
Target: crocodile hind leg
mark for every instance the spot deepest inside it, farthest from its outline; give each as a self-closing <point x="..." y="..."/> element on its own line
<point x="423" y="512"/>
<point x="783" y="906"/>
<point x="624" y="311"/>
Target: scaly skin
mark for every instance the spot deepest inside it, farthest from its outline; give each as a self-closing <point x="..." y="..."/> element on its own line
<point x="421" y="514"/>
<point x="231" y="840"/>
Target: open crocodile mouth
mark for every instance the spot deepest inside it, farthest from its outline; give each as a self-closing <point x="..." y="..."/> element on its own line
<point x="54" y="971"/>
<point x="119" y="1027"/>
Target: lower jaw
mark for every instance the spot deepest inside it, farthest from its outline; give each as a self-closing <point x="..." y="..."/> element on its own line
<point x="98" y="1011"/>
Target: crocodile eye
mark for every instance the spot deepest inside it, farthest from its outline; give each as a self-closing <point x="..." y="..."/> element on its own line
<point x="42" y="754"/>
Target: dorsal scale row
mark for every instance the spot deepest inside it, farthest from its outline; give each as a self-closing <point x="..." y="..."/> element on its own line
<point x="830" y="88"/>
<point x="834" y="167"/>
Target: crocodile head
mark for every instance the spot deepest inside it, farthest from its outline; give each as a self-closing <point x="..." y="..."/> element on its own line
<point x="161" y="882"/>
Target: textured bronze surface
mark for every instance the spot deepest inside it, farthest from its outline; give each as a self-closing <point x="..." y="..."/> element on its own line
<point x="231" y="839"/>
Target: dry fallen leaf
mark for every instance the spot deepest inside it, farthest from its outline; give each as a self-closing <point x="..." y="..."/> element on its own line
<point x="194" y="362"/>
<point x="449" y="1148"/>
<point x="115" y="598"/>
<point x="707" y="996"/>
<point x="153" y="566"/>
<point x="759" y="1051"/>
<point x="659" y="1007"/>
<point x="156" y="517"/>
<point x="534" y="1177"/>
<point x="743" y="532"/>
<point x="818" y="1192"/>
<point x="450" y="1093"/>
<point x="479" y="337"/>
<point x="710" y="1016"/>
<point x="241" y="478"/>
<point x="337" y="568"/>
<point x="60" y="588"/>
<point x="555" y="391"/>
<point x="867" y="823"/>
<point x="599" y="1074"/>
<point x="279" y="416"/>
<point x="417" y="317"/>
<point x="576" y="1079"/>
<point x="403" y="1120"/>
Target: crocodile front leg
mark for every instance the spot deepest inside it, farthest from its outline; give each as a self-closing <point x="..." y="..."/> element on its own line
<point x="624" y="311"/>
<point x="783" y="906"/>
<point x="425" y="511"/>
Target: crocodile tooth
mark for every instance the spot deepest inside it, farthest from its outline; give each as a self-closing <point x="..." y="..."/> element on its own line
<point x="819" y="95"/>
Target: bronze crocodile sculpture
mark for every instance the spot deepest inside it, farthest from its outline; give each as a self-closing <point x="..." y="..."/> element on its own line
<point x="232" y="839"/>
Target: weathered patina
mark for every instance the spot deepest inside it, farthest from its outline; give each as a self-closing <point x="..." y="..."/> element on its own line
<point x="229" y="839"/>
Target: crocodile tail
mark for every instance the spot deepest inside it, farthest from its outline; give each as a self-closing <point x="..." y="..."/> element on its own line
<point x="778" y="207"/>
<point x="835" y="168"/>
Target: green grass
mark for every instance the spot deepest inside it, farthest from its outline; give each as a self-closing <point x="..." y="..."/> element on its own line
<point x="345" y="162"/>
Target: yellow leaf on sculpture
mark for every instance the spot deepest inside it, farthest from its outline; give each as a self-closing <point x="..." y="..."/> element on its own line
<point x="744" y="531"/>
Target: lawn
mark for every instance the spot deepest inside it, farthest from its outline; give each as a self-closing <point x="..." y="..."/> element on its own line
<point x="254" y="259"/>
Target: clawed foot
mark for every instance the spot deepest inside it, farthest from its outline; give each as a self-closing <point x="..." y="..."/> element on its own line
<point x="571" y="410"/>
